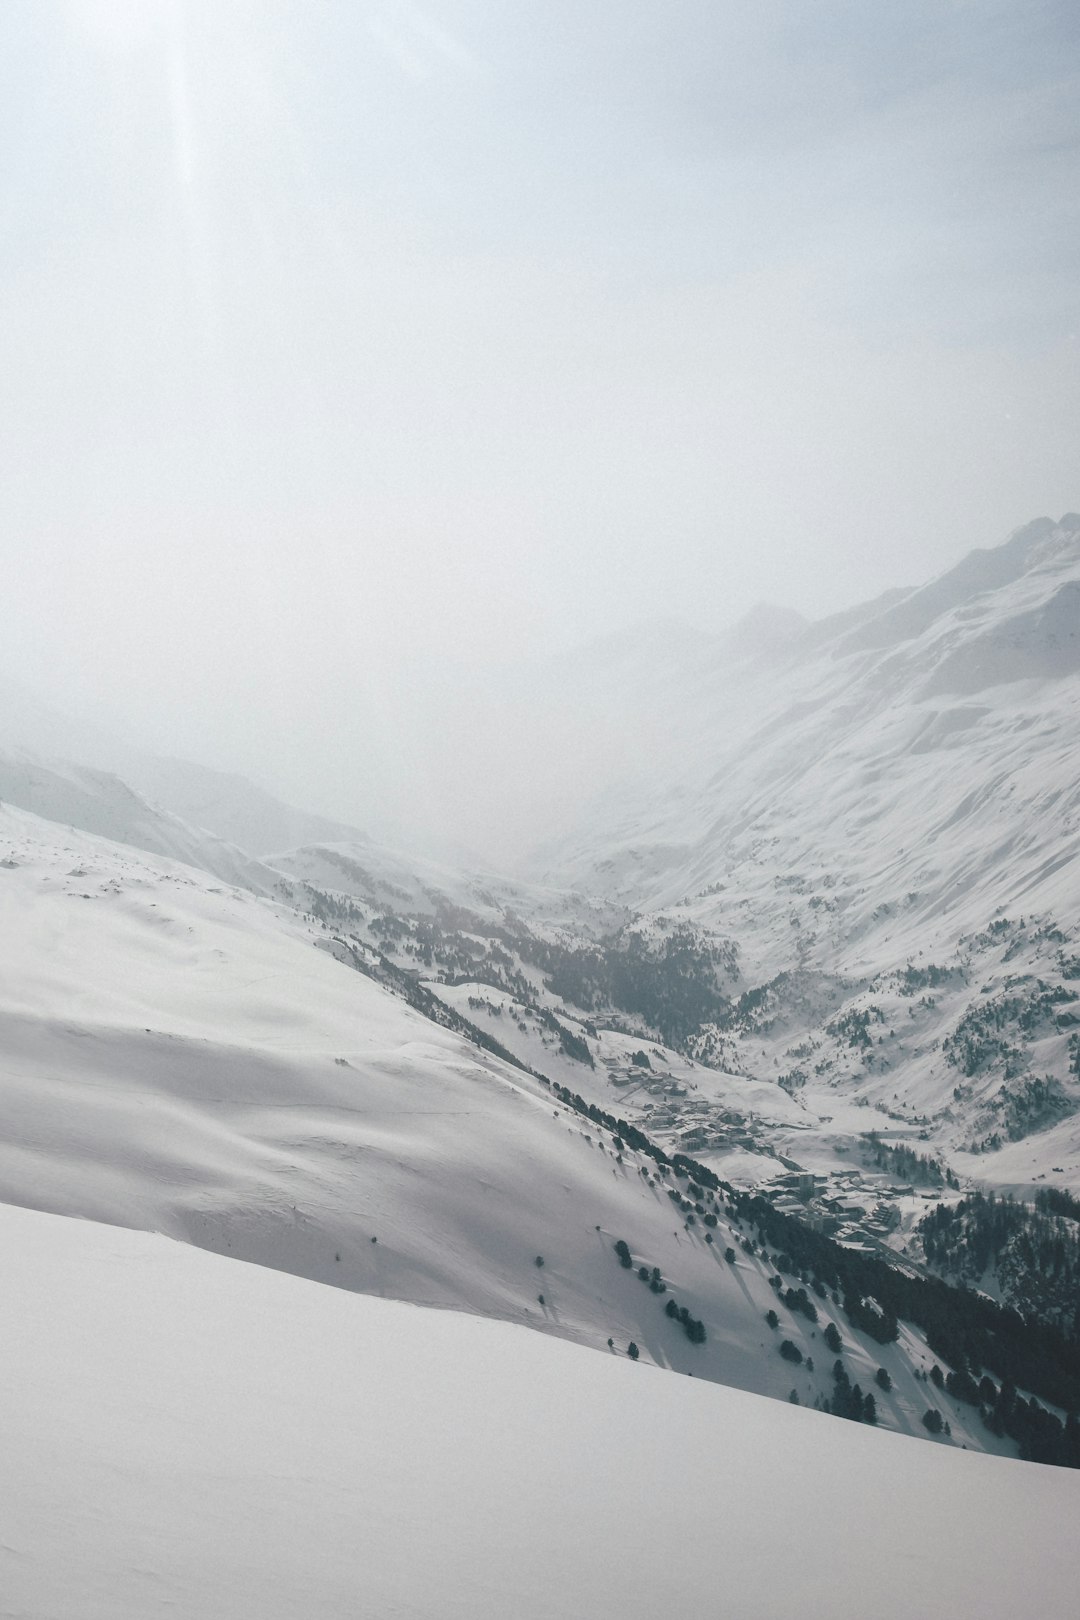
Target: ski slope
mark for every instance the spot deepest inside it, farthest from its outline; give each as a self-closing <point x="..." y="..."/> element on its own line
<point x="185" y="1435"/>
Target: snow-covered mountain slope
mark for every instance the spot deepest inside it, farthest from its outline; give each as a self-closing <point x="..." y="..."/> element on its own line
<point x="96" y="801"/>
<point x="187" y="1435"/>
<point x="221" y="803"/>
<point x="228" y="805"/>
<point x="865" y="761"/>
<point x="839" y="935"/>
<point x="886" y="823"/>
<point x="394" y="883"/>
<point x="82" y="776"/>
<point x="180" y="1057"/>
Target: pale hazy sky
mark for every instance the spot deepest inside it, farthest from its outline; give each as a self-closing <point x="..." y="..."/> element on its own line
<point x="339" y="332"/>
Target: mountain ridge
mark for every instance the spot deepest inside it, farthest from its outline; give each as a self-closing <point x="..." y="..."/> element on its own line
<point x="816" y="948"/>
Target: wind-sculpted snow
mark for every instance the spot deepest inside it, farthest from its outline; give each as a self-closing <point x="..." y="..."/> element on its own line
<point x="1042" y="643"/>
<point x="219" y="1442"/>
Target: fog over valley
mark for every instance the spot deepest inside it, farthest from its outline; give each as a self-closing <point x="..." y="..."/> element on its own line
<point x="539" y="809"/>
<point x="354" y="362"/>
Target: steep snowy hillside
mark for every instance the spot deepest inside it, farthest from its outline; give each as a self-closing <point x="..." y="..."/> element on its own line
<point x="393" y="884"/>
<point x="96" y="801"/>
<point x="184" y="1433"/>
<point x="884" y="825"/>
<point x="835" y="956"/>
<point x="228" y="806"/>
<point x="824" y="765"/>
<point x="181" y="1057"/>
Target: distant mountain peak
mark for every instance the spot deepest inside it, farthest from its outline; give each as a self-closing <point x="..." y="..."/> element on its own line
<point x="766" y="628"/>
<point x="982" y="570"/>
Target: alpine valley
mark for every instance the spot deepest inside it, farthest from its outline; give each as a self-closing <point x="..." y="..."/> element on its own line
<point x="763" y="1066"/>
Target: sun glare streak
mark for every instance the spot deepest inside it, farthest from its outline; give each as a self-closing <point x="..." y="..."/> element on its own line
<point x="193" y="203"/>
<point x="213" y="388"/>
<point x="180" y="100"/>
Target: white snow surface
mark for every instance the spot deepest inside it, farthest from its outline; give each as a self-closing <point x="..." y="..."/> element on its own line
<point x="880" y="791"/>
<point x="186" y="1435"/>
<point x="221" y="803"/>
<point x="900" y="783"/>
<point x="97" y="801"/>
<point x="177" y="1056"/>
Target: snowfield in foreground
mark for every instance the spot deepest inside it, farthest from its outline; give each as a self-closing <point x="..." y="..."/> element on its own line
<point x="185" y="1434"/>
